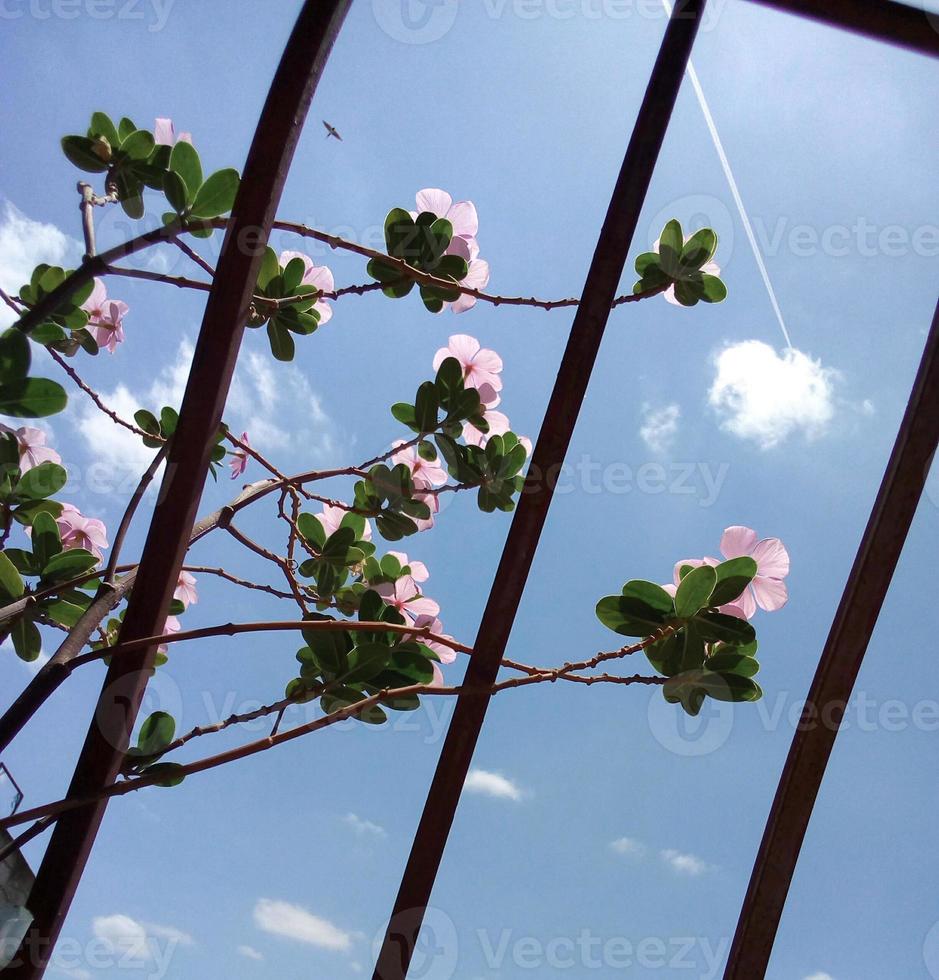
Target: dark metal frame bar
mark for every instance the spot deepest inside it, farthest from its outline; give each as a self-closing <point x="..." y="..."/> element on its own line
<point x="210" y="376"/>
<point x="223" y="324"/>
<point x="837" y="671"/>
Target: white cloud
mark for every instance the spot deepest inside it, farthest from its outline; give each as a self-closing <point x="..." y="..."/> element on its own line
<point x="766" y="397"/>
<point x="659" y="426"/>
<point x="820" y="976"/>
<point x="25" y="243"/>
<point x="295" y="922"/>
<point x="249" y="952"/>
<point x="363" y="827"/>
<point x="176" y="936"/>
<point x="628" y="847"/>
<point x="133" y="940"/>
<point x="122" y="935"/>
<point x="120" y="456"/>
<point x="278" y="408"/>
<point x="686" y="864"/>
<point x="491" y="784"/>
<point x="262" y="395"/>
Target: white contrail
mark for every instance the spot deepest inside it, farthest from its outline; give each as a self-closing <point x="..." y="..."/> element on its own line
<point x="734" y="190"/>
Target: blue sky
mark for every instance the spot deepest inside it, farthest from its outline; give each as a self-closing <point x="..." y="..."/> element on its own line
<point x="611" y="824"/>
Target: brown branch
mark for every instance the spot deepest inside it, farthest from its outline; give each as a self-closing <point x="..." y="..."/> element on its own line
<point x="279" y="738"/>
<point x="272" y="626"/>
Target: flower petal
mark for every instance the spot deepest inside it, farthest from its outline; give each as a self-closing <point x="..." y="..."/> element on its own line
<point x="464" y="219"/>
<point x="435" y="200"/>
<point x="737" y="541"/>
<point x="771" y="593"/>
<point x="771" y="558"/>
<point x="163" y="132"/>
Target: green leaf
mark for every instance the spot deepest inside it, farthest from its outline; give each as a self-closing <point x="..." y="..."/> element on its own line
<point x="184" y="160"/>
<point x="671" y="243"/>
<point x="101" y="125"/>
<point x="695" y="591"/>
<point x="365" y="661"/>
<point x="27" y="641"/>
<point x="312" y="529"/>
<point x="666" y="655"/>
<point x="732" y="663"/>
<point x="401" y="235"/>
<point x="727" y="629"/>
<point x="651" y="595"/>
<point x="733" y="577"/>
<point x="68" y="564"/>
<point x="63" y="612"/>
<point x="47" y="542"/>
<point x="426" y="407"/>
<point x="700" y="248"/>
<point x="174" y="187"/>
<point x="405" y="414"/>
<point x="11" y="585"/>
<point x="269" y="267"/>
<point x="170" y="773"/>
<point x="41" y="481"/>
<point x="15" y="357"/>
<point x="714" y="290"/>
<point x="125" y="127"/>
<point x="721" y="687"/>
<point x="217" y="195"/>
<point x="79" y="152"/>
<point x="138" y="145"/>
<point x="156" y="733"/>
<point x="26" y="513"/>
<point x="329" y="649"/>
<point x="616" y="613"/>
<point x="32" y="398"/>
<point x="282" y="345"/>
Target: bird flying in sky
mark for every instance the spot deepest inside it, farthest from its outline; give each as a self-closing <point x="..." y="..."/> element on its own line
<point x="331" y="131"/>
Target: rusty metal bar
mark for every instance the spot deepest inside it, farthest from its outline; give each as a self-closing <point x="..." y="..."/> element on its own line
<point x="265" y="172"/>
<point x="560" y="418"/>
<point x="854" y="622"/>
<point x="882" y="20"/>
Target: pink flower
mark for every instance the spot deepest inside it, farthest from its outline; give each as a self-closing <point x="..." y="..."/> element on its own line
<point x="164" y="133"/>
<point x="172" y="626"/>
<point x="431" y="499"/>
<point x="405" y="596"/>
<point x="480" y="365"/>
<point x="78" y="531"/>
<point x="32" y="447"/>
<point x="465" y="221"/>
<point x="421" y="469"/>
<point x="447" y="654"/>
<point x="318" y="276"/>
<point x="767" y="590"/>
<point x="331" y="518"/>
<point x="710" y="268"/>
<point x="105" y="317"/>
<point x="238" y="460"/>
<point x="498" y="422"/>
<point x="186" y="589"/>
<point x="418" y="569"/>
